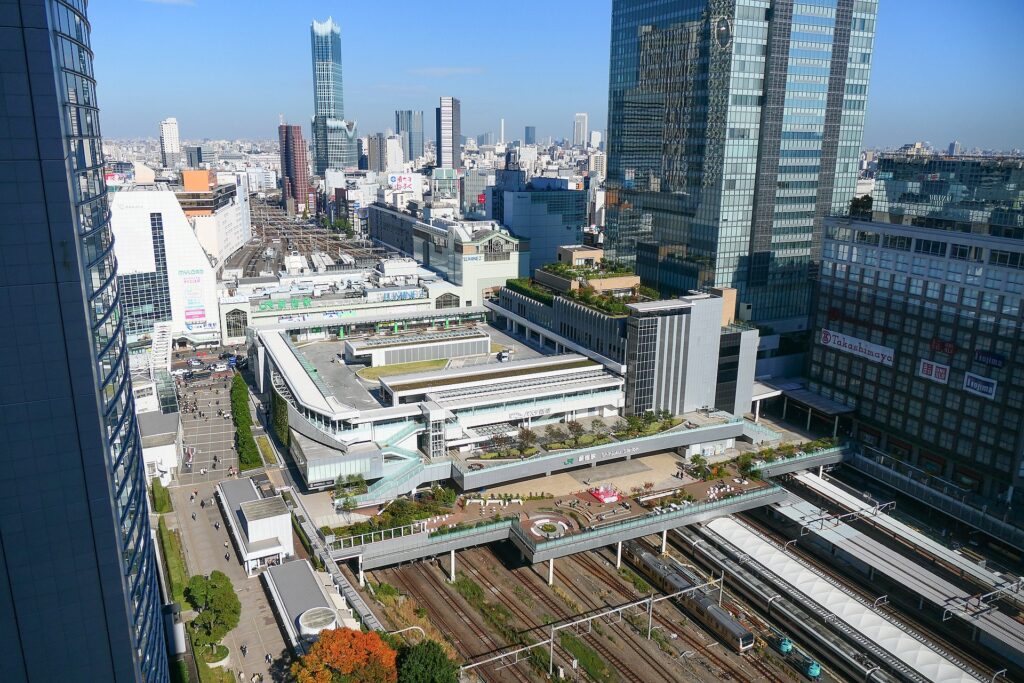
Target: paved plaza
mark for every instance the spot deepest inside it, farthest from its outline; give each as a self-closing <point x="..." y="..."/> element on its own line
<point x="210" y="434"/>
<point x="204" y="552"/>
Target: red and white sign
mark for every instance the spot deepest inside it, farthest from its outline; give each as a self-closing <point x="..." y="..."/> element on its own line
<point x="403" y="182"/>
<point x="858" y="347"/>
<point x="605" y="493"/>
<point x="936" y="372"/>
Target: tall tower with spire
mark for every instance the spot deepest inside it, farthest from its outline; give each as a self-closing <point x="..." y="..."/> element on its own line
<point x="334" y="138"/>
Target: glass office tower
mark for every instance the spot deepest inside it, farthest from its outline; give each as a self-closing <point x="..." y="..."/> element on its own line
<point x="409" y="125"/>
<point x="78" y="585"/>
<point x="734" y="126"/>
<point x="334" y="143"/>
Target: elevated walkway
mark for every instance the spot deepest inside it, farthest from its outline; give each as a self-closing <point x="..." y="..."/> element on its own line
<point x="545" y="465"/>
<point x="798" y="463"/>
<point x="410" y="547"/>
<point x="968" y="514"/>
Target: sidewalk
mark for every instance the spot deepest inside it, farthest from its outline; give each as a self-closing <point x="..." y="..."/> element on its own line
<point x="204" y="552"/>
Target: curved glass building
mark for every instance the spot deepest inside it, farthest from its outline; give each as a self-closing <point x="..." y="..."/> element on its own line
<point x="78" y="583"/>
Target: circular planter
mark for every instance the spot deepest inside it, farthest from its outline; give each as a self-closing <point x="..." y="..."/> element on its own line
<point x="222" y="652"/>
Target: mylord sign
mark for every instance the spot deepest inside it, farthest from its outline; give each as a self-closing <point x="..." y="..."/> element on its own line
<point x="980" y="386"/>
<point x="858" y="347"/>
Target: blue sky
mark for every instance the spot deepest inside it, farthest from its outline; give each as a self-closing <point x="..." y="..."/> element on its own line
<point x="943" y="69"/>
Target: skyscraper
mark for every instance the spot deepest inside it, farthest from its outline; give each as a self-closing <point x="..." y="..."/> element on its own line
<point x="170" y="143"/>
<point x="334" y="143"/>
<point x="409" y="125"/>
<point x="580" y="126"/>
<point x="294" y="166"/>
<point x="501" y="135"/>
<point x="77" y="561"/>
<point x="449" y="133"/>
<point x="530" y="135"/>
<point x="726" y="147"/>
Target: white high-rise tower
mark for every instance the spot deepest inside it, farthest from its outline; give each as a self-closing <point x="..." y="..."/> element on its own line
<point x="579" y="129"/>
<point x="170" y="143"/>
<point x="501" y="138"/>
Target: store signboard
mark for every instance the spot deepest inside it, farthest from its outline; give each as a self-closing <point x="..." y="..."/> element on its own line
<point x="936" y="372"/>
<point x="858" y="347"/>
<point x="980" y="386"/>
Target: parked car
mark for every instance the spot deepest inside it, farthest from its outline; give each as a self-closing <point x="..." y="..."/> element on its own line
<point x="179" y="372"/>
<point x="195" y="363"/>
<point x="220" y="367"/>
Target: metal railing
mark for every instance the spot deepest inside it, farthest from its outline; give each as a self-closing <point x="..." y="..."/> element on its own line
<point x="562" y="455"/>
<point x="637" y="522"/>
<point x="965" y="512"/>
<point x="800" y="457"/>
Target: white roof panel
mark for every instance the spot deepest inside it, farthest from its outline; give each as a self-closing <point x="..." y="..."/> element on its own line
<point x="928" y="663"/>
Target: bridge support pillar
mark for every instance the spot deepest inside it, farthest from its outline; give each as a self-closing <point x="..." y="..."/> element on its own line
<point x="362" y="577"/>
<point x="618" y="555"/>
<point x="835" y="427"/>
<point x="821" y="471"/>
<point x="551" y="572"/>
<point x="664" y="541"/>
<point x="451" y="566"/>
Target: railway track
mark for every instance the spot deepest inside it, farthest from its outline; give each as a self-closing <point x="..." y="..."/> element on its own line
<point x="531" y="623"/>
<point x="765" y="672"/>
<point x="904" y="617"/>
<point x="561" y="612"/>
<point x="663" y="671"/>
<point x="444" y="619"/>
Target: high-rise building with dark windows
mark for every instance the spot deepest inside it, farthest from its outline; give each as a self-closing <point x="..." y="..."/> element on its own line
<point x="918" y="323"/>
<point x="530" y="135"/>
<point x="449" y="133"/>
<point x="78" y="576"/>
<point x="409" y="126"/>
<point x="294" y="166"/>
<point x="734" y="126"/>
<point x="334" y="144"/>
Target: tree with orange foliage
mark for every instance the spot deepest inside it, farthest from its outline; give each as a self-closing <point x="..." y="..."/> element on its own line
<point x="343" y="655"/>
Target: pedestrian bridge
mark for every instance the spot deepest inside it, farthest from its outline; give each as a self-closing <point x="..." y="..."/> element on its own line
<point x="406" y="548"/>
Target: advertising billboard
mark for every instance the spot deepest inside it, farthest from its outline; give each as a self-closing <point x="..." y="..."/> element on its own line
<point x="403" y="182"/>
<point x="858" y="347"/>
<point x="936" y="372"/>
<point x="980" y="386"/>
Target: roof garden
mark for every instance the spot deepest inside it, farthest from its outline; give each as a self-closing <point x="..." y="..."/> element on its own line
<point x="596" y="272"/>
<point x="609" y="304"/>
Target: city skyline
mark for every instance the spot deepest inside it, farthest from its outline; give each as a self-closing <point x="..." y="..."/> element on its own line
<point x="379" y="81"/>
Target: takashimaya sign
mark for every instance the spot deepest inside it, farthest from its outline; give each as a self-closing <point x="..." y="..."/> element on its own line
<point x="858" y="347"/>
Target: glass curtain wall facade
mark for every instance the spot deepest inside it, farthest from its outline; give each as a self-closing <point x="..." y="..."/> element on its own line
<point x="146" y="297"/>
<point x="734" y="127"/>
<point x="409" y="126"/>
<point x="77" y="562"/>
<point x="449" y="133"/>
<point x="333" y="137"/>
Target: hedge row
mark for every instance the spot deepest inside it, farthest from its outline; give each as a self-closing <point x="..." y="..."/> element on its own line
<point x="248" y="453"/>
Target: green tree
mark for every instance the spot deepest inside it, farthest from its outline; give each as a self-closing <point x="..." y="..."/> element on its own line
<point x="348" y="504"/>
<point x="426" y="662"/>
<point x="527" y="437"/>
<point x="700" y="464"/>
<point x="553" y="434"/>
<point x="576" y="430"/>
<point x="860" y="207"/>
<point x="634" y="423"/>
<point x="214" y="598"/>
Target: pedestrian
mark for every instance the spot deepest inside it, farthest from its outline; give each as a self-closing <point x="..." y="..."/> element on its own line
<point x="241" y="675"/>
<point x="227" y="557"/>
<point x="268" y="658"/>
<point x="192" y="498"/>
<point x="216" y="525"/>
<point x="193" y="516"/>
<point x="225" y="544"/>
<point x="202" y="503"/>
